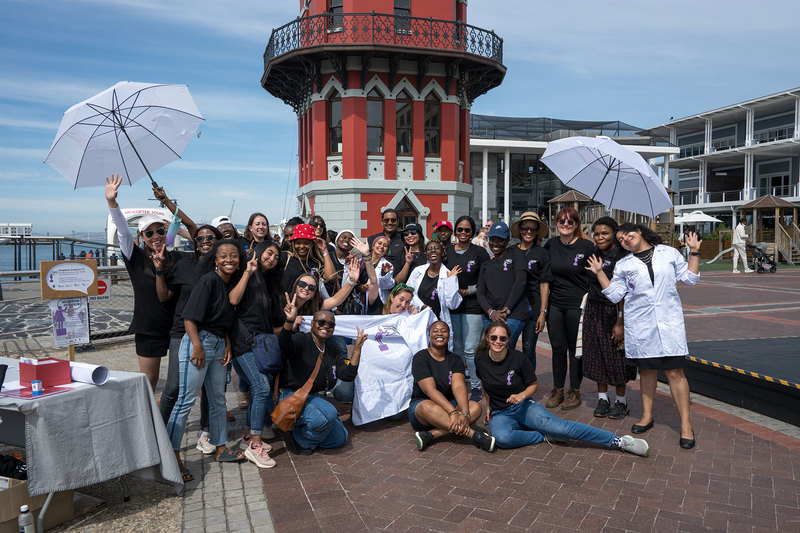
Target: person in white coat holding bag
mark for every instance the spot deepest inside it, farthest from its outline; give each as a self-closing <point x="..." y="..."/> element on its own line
<point x="436" y="286"/>
<point x="655" y="336"/>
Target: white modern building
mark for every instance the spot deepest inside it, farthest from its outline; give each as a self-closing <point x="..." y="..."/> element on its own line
<point x="15" y="229"/>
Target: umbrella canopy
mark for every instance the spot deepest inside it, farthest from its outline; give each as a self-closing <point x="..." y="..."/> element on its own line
<point x="609" y="173"/>
<point x="695" y="217"/>
<point x="130" y="129"/>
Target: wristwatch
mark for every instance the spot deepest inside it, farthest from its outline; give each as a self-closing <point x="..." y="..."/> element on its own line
<point x="697" y="254"/>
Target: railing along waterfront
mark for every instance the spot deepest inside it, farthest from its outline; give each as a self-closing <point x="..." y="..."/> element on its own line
<point x="383" y="29"/>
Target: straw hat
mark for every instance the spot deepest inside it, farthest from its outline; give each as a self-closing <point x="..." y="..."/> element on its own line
<point x="529" y="216"/>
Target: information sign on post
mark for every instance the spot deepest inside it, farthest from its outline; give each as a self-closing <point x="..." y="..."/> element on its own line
<point x="68" y="285"/>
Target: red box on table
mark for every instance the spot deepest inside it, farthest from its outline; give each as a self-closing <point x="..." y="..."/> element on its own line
<point x="49" y="370"/>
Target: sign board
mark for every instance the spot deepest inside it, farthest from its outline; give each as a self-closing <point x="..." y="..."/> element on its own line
<point x="70" y="321"/>
<point x="103" y="291"/>
<point x="68" y="279"/>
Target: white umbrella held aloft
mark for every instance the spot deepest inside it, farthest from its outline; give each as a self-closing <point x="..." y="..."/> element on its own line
<point x="609" y="173"/>
<point x="130" y="129"/>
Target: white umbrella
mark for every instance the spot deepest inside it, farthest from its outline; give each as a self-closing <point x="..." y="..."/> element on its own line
<point x="128" y="129"/>
<point x="695" y="217"/>
<point x="609" y="173"/>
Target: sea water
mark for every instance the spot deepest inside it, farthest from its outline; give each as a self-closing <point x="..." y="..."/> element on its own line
<point x="44" y="252"/>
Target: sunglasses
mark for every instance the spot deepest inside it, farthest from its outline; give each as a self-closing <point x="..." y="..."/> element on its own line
<point x="409" y="232"/>
<point x="402" y="286"/>
<point x="326" y="323"/>
<point x="305" y="285"/>
<point x="149" y="233"/>
<point x="463" y="230"/>
<point x="531" y="228"/>
<point x="204" y="238"/>
<point x="389" y="220"/>
<point x="566" y="222"/>
<point x="316" y="224"/>
<point x="495" y="338"/>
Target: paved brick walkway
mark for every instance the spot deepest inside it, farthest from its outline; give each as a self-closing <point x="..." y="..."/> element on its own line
<point x="740" y="477"/>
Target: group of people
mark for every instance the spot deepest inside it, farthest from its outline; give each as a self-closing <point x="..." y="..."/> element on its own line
<point x="432" y="326"/>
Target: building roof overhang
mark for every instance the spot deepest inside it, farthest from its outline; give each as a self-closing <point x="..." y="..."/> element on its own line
<point x="538" y="147"/>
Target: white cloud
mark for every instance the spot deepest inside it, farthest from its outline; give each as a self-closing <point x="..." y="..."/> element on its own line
<point x="46" y="90"/>
<point x="23" y="153"/>
<point x="236" y="106"/>
<point x="28" y="124"/>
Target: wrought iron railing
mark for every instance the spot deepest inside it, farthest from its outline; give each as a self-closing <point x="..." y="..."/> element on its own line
<point x="383" y="29"/>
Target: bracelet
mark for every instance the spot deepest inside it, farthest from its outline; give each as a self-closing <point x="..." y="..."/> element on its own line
<point x="325" y="254"/>
<point x="451" y="413"/>
<point x="543" y="311"/>
<point x="697" y="254"/>
<point x="288" y="321"/>
<point x="159" y="272"/>
<point x="352" y="283"/>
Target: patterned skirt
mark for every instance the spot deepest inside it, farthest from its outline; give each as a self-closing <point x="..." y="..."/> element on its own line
<point x="602" y="361"/>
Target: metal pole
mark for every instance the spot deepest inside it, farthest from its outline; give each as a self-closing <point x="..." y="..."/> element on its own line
<point x="485" y="192"/>
<point x="507" y="185"/>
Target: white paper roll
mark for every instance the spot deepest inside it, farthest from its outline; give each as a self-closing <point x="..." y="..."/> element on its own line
<point x="86" y="373"/>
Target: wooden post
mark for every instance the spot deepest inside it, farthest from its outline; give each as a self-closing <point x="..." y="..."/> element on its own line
<point x="71" y="352"/>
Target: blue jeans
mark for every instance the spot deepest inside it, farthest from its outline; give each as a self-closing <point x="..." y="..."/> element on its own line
<point x="516" y="327"/>
<point x="344" y="391"/>
<point x="191" y="378"/>
<point x="467" y="330"/>
<point x="170" y="393"/>
<point x="528" y="423"/>
<point x="260" y="391"/>
<point x="529" y="340"/>
<point x="318" y="425"/>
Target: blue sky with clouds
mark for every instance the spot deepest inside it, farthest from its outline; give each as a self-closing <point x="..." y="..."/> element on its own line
<point x="632" y="60"/>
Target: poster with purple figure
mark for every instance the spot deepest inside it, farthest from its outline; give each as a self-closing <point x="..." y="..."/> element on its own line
<point x="70" y="321"/>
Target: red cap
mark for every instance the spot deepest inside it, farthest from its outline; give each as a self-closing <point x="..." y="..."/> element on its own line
<point x="443" y="223"/>
<point x="303" y="231"/>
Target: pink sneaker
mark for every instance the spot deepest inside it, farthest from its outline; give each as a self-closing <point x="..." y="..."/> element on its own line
<point x="259" y="455"/>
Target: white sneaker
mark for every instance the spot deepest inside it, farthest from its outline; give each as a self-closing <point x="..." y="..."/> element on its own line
<point x="634" y="446"/>
<point x="737" y="272"/>
<point x="204" y="444"/>
<point x="258" y="455"/>
<point x="748" y="270"/>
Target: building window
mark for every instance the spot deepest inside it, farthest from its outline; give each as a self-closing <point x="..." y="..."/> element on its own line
<point x="335" y="125"/>
<point x="374" y="122"/>
<point x="336" y="9"/>
<point x="433" y="110"/>
<point x="404" y="106"/>
<point x="402" y="16"/>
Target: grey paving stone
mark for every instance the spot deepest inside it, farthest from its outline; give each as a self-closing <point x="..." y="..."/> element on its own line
<point x="257" y="505"/>
<point x="193" y="525"/>
<point x="216" y="528"/>
<point x="193" y="515"/>
<point x="239" y="526"/>
<point x="260" y="516"/>
<point x="264" y="528"/>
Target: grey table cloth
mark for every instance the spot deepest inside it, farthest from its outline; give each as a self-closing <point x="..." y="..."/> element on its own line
<point x="93" y="434"/>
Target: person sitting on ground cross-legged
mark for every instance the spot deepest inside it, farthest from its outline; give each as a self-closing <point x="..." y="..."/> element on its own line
<point x="516" y="420"/>
<point x="439" y="404"/>
<point x="318" y="425"/>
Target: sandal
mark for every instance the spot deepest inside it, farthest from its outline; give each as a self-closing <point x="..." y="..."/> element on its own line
<point x="229" y="456"/>
<point x="186" y="475"/>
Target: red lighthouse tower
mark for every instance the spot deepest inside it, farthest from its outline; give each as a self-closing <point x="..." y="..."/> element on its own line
<point x="382" y="91"/>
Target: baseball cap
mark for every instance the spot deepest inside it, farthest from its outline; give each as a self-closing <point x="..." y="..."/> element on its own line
<point x="499" y="229"/>
<point x="443" y="223"/>
<point x="149" y="220"/>
<point x="217" y="222"/>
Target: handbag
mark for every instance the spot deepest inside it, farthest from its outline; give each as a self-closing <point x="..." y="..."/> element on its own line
<point x="267" y="353"/>
<point x="286" y="412"/>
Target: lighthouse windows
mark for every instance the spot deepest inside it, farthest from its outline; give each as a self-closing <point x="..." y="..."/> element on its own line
<point x="374" y="122"/>
<point x="336" y="9"/>
<point x="402" y="14"/>
<point x="433" y="110"/>
<point x="335" y="124"/>
<point x="403" y="111"/>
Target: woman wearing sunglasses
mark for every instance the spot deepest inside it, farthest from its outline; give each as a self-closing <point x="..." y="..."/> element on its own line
<point x="414" y="241"/>
<point x="439" y="404"/>
<point x="467" y="318"/>
<point x="514" y="419"/>
<point x="152" y="318"/>
<point x="569" y="252"/>
<point x="318" y="425"/>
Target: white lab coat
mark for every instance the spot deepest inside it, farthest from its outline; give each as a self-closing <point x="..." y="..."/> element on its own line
<point x="446" y="290"/>
<point x="653" y="314"/>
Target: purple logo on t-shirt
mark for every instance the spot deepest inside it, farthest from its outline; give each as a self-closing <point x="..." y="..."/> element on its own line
<point x="506" y="263"/>
<point x="578" y="257"/>
<point x="334" y="372"/>
<point x="509" y="376"/>
<point x="450" y="378"/>
<point x="379" y="339"/>
<point x="433" y="294"/>
<point x="470" y="264"/>
<point x="531" y="263"/>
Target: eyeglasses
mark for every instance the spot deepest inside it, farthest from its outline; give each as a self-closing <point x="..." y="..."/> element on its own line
<point x="204" y="238"/>
<point x="389" y="220"/>
<point x="305" y="285"/>
<point x="149" y="233"/>
<point x="566" y="222"/>
<point x="531" y="228"/>
<point x="463" y="230"/>
<point x="495" y="338"/>
<point x="326" y="323"/>
<point x="400" y="286"/>
<point x="409" y="232"/>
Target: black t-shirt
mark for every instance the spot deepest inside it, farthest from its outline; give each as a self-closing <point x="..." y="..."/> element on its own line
<point x="180" y="280"/>
<point x="470" y="260"/>
<point x="595" y="291"/>
<point x="502" y="283"/>
<point x="254" y="315"/>
<point x="208" y="305"/>
<point x="425" y="366"/>
<point x="150" y="315"/>
<point x="419" y="259"/>
<point x="296" y="267"/>
<point x="396" y="254"/>
<point x="537" y="263"/>
<point x="500" y="380"/>
<point x="429" y="294"/>
<point x="570" y="277"/>
<point x="300" y="355"/>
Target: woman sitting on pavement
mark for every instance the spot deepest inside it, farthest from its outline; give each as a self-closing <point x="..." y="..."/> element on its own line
<point x="439" y="404"/>
<point x="516" y="420"/>
<point x="318" y="425"/>
<point x="655" y="335"/>
<point x="206" y="350"/>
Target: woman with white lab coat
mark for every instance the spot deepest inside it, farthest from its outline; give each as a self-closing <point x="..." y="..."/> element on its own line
<point x="436" y="286"/>
<point x="655" y="336"/>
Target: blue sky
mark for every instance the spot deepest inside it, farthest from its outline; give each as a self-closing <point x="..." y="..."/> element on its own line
<point x="637" y="61"/>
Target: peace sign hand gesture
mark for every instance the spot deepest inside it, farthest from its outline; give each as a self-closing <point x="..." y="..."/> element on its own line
<point x="158" y="257"/>
<point x="290" y="309"/>
<point x="252" y="265"/>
